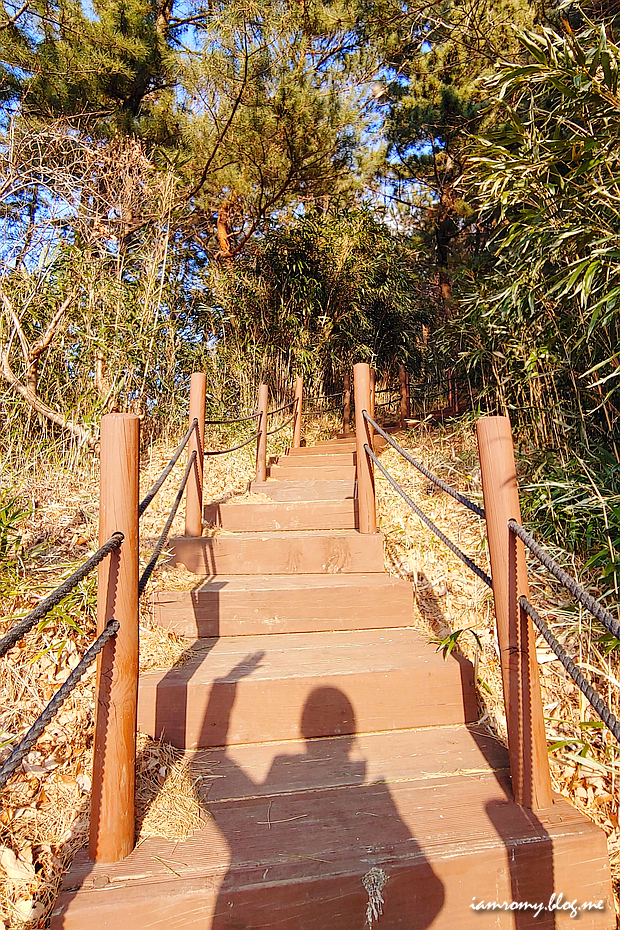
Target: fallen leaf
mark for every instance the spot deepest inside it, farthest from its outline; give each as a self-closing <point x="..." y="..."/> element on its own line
<point x="15" y="868"/>
<point x="29" y="910"/>
<point x="84" y="783"/>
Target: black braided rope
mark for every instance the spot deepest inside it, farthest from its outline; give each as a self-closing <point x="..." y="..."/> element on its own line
<point x="270" y="413"/>
<point x="161" y="542"/>
<point x="578" y="591"/>
<point x="234" y="448"/>
<point x="609" y="719"/>
<point x="253" y="416"/>
<point x="175" y="458"/>
<point x="387" y="403"/>
<point x="317" y="411"/>
<point x="270" y="432"/>
<point x="44" y="606"/>
<point x="23" y="748"/>
<point x="435" y="529"/>
<point x="427" y="474"/>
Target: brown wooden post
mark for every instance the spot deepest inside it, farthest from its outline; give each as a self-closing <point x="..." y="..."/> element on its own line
<point x="193" y="500"/>
<point x="112" y="808"/>
<point x="404" y="396"/>
<point x="346" y="413"/>
<point x="527" y="744"/>
<point x="364" y="435"/>
<point x="299" y="399"/>
<point x="261" y="445"/>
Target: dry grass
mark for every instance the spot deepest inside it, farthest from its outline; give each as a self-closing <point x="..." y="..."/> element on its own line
<point x="45" y="806"/>
<point x="449" y="597"/>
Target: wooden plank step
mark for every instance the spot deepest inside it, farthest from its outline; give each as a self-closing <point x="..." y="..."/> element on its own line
<point x="245" y="605"/>
<point x="325" y="448"/>
<point x="308" y="830"/>
<point x="253" y="689"/>
<point x="302" y="490"/>
<point x="311" y="472"/>
<point x="309" y="552"/>
<point x="240" y="515"/>
<point x="293" y="459"/>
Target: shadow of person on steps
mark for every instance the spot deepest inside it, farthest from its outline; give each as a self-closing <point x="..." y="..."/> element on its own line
<point x="313" y="846"/>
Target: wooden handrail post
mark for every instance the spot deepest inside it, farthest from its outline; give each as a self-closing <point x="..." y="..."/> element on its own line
<point x="299" y="399"/>
<point x="404" y="395"/>
<point x="261" y="444"/>
<point x="346" y="413"/>
<point x="193" y="499"/>
<point x="112" y="808"/>
<point x="527" y="744"/>
<point x="363" y="435"/>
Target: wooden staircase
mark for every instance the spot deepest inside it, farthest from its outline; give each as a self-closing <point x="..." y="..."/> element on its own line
<point x="353" y="788"/>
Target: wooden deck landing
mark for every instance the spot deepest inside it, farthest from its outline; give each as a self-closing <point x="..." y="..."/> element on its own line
<point x="347" y="787"/>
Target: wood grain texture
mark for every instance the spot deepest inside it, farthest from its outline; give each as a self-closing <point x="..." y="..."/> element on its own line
<point x="515" y="632"/>
<point x="303" y="515"/>
<point x="311" y="471"/>
<point x="302" y="490"/>
<point x="304" y="552"/>
<point x="391" y="679"/>
<point x="250" y="604"/>
<point x="193" y="494"/>
<point x="292" y="850"/>
<point x="364" y="400"/>
<point x="114" y="755"/>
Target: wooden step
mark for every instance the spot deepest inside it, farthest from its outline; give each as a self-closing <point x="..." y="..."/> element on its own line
<point x="240" y="515"/>
<point x="324" y="448"/>
<point x="305" y="836"/>
<point x="302" y="490"/>
<point x="311" y="472"/>
<point x="319" y="461"/>
<point x="251" y="604"/>
<point x="308" y="552"/>
<point x="253" y="689"/>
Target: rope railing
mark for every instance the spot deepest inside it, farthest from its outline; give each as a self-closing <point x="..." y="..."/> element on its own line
<point x="583" y="597"/>
<point x="52" y="600"/>
<point x="388" y="403"/>
<point x="252" y="416"/>
<point x="438" y="482"/>
<point x="429" y="523"/>
<point x="22" y="749"/>
<point x="161" y="542"/>
<point x="317" y="411"/>
<point x="596" y="701"/>
<point x="271" y="432"/>
<point x="571" y="584"/>
<point x="175" y="458"/>
<point x="271" y="413"/>
<point x="240" y="445"/>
